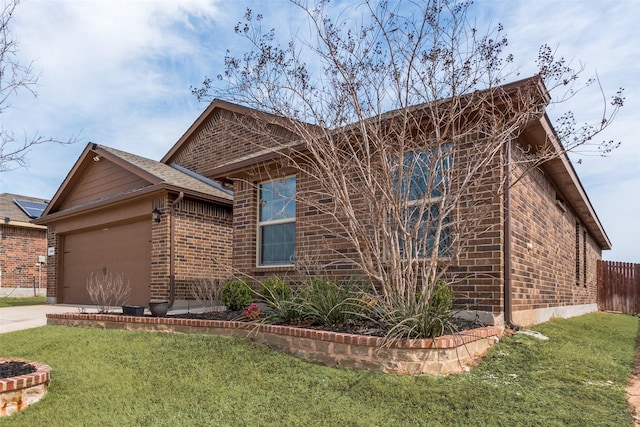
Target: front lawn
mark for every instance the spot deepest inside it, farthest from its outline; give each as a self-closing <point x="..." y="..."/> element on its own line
<point x="15" y="302"/>
<point x="123" y="378"/>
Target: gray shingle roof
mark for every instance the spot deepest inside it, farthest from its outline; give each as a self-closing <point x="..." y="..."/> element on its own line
<point x="172" y="176"/>
<point x="8" y="209"/>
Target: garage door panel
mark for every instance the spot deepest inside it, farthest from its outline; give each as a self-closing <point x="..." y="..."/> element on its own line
<point x="124" y="249"/>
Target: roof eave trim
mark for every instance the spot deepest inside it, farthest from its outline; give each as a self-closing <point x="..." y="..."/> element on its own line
<point x="93" y="206"/>
<point x="602" y="239"/>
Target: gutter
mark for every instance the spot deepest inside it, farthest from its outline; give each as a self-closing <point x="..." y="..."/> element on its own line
<point x="172" y="278"/>
<point x="508" y="303"/>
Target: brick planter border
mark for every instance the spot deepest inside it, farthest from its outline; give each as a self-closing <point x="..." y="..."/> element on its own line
<point x="443" y="355"/>
<point x="17" y="393"/>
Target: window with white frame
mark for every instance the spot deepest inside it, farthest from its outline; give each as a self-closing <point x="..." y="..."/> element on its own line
<point x="277" y="222"/>
<point x="423" y="186"/>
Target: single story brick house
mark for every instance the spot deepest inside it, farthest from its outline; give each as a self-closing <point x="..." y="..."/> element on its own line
<point x="23" y="246"/>
<point x="537" y="258"/>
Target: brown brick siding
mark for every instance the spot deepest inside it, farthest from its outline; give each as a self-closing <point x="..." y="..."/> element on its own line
<point x="159" y="286"/>
<point x="319" y="250"/>
<point x="544" y="248"/>
<point x="53" y="272"/>
<point x="478" y="272"/>
<point x="223" y="138"/>
<point x="202" y="236"/>
<point x="543" y="258"/>
<point x="20" y="248"/>
<point x="543" y="273"/>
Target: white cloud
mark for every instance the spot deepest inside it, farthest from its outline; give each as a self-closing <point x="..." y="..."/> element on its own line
<point x="120" y="72"/>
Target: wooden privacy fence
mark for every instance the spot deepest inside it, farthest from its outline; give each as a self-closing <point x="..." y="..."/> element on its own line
<point x="619" y="287"/>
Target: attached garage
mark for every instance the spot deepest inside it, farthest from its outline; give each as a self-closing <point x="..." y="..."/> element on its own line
<point x="122" y="249"/>
<point x="159" y="226"/>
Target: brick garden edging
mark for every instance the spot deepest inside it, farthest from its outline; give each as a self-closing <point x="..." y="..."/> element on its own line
<point x="443" y="355"/>
<point x="17" y="393"/>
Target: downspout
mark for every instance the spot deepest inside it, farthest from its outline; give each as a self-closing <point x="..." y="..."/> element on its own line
<point x="172" y="279"/>
<point x="508" y="304"/>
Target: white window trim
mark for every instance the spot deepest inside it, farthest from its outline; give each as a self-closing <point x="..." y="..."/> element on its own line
<point x="260" y="224"/>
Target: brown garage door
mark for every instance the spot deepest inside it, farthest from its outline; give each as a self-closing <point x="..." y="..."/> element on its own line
<point x="124" y="249"/>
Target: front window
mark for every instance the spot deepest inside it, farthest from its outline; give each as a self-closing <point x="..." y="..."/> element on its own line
<point x="422" y="184"/>
<point x="277" y="222"/>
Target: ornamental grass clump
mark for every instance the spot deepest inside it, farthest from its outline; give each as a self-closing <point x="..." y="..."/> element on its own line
<point x="420" y="317"/>
<point x="326" y="302"/>
<point x="281" y="302"/>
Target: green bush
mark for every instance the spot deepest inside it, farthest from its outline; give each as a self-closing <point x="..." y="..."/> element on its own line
<point x="441" y="300"/>
<point x="274" y="288"/>
<point x="236" y="295"/>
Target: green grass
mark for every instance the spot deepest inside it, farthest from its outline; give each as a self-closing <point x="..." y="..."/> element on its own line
<point x="124" y="378"/>
<point x="15" y="302"/>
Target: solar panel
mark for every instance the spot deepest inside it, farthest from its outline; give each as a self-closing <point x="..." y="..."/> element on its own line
<point x="32" y="209"/>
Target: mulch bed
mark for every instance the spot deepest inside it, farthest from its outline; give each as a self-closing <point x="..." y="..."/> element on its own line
<point x="360" y="327"/>
<point x="15" y="368"/>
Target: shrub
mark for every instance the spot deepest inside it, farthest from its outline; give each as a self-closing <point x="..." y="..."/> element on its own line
<point x="107" y="290"/>
<point x="236" y="294"/>
<point x="252" y="312"/>
<point x="441" y="300"/>
<point x="417" y="318"/>
<point x="326" y="302"/>
<point x="274" y="288"/>
<point x="281" y="303"/>
<point x="206" y="292"/>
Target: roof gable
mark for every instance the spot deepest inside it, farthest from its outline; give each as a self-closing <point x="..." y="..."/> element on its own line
<point x="102" y="173"/>
<point x="100" y="179"/>
<point x="225" y="131"/>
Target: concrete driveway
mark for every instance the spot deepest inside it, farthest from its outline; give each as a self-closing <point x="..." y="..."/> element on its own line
<point x="29" y="316"/>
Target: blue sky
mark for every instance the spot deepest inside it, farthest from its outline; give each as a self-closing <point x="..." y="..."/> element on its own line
<point x="118" y="73"/>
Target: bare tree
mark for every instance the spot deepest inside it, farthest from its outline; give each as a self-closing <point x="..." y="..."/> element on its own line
<point x="15" y="77"/>
<point x="404" y="121"/>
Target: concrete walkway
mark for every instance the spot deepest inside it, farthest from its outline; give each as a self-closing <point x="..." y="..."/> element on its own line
<point x="33" y="316"/>
<point x="29" y="316"/>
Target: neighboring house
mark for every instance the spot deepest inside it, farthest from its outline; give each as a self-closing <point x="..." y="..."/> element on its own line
<point x="159" y="226"/>
<point x="23" y="246"/>
<point x="537" y="259"/>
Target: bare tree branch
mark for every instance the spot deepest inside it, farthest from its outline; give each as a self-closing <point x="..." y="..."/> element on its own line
<point x="402" y="121"/>
<point x="14" y="78"/>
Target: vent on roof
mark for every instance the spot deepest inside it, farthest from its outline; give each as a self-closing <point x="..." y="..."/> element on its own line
<point x="32" y="209"/>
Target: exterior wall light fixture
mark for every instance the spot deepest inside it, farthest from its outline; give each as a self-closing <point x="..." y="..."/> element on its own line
<point x="155" y="214"/>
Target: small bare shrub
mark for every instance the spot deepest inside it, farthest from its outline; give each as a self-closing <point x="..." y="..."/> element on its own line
<point x="108" y="290"/>
<point x="206" y="292"/>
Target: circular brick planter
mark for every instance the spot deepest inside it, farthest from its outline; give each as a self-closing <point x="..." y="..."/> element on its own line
<point x="17" y="393"/>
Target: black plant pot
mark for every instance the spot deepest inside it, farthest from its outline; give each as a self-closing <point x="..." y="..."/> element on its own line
<point x="133" y="310"/>
<point x="158" y="307"/>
